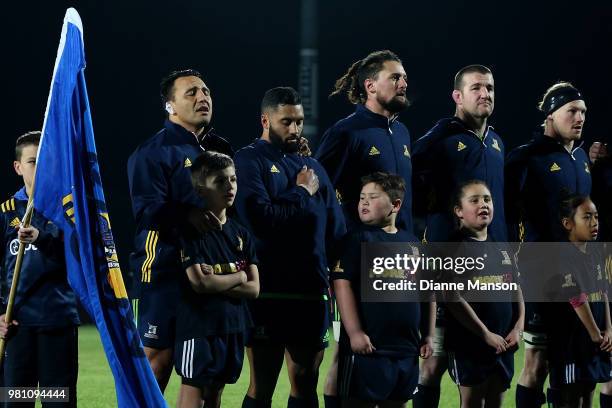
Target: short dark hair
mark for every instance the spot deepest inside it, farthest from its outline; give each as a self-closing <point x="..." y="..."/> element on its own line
<point x="166" y="87"/>
<point x="207" y="163"/>
<point x="369" y="67"/>
<point x="282" y="95"/>
<point x="27" y="139"/>
<point x="392" y="184"/>
<point x="459" y="191"/>
<point x="481" y="69"/>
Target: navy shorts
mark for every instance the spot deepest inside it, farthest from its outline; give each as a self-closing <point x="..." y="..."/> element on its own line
<point x="597" y="370"/>
<point x="291" y="322"/>
<point x="155" y="312"/>
<point x="469" y="370"/>
<point x="376" y="378"/>
<point x="210" y="360"/>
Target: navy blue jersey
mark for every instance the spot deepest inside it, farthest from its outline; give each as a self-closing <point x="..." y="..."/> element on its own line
<point x="361" y="144"/>
<point x="580" y="280"/>
<point x="43" y="297"/>
<point x="295" y="233"/>
<point x="162" y="195"/>
<point x="499" y="316"/>
<point x="392" y="327"/>
<point x="536" y="175"/>
<point x="448" y="155"/>
<point x="602" y="196"/>
<point x="228" y="251"/>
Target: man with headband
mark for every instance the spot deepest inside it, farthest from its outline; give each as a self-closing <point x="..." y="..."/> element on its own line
<point x="536" y="175"/>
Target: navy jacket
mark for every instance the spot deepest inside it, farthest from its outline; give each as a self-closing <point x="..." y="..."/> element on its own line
<point x="361" y="144"/>
<point x="295" y="233"/>
<point x="446" y="156"/>
<point x="43" y="297"/>
<point x="162" y="194"/>
<point x="536" y="175"/>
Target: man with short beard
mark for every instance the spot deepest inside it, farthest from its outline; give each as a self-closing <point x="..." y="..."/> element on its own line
<point x="288" y="203"/>
<point x="166" y="206"/>
<point x="457" y="149"/>
<point x="372" y="138"/>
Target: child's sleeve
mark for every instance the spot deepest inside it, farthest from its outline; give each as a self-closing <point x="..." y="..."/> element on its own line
<point x="249" y="247"/>
<point x="191" y="253"/>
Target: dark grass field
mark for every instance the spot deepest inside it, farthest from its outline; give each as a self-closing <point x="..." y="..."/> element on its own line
<point x="96" y="388"/>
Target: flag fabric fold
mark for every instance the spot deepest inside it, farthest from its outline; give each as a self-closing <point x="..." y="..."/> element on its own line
<point x="68" y="191"/>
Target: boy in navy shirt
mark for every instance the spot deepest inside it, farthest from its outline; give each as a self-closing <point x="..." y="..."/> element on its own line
<point x="379" y="342"/>
<point x="43" y="346"/>
<point x="221" y="272"/>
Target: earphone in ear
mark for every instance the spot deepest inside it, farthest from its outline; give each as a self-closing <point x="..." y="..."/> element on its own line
<point x="169" y="108"/>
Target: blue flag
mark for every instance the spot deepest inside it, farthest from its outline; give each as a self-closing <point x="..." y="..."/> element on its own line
<point x="68" y="191"/>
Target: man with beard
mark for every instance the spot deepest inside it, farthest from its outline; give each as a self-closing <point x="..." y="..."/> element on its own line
<point x="537" y="175"/>
<point x="289" y="205"/>
<point x="457" y="149"/>
<point x="166" y="206"/>
<point x="370" y="140"/>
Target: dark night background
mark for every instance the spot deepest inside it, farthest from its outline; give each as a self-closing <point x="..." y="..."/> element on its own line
<point x="244" y="48"/>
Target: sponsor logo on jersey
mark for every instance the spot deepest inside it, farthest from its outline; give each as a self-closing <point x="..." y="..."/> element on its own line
<point x="495" y="145"/>
<point x="555" y="167"/>
<point x="506" y="260"/>
<point x="460" y="146"/>
<point x="14" y="247"/>
<point x="15" y="223"/>
<point x="406" y="151"/>
<point x="569" y="282"/>
<point x="273" y="169"/>
<point x="187" y="162"/>
<point x="373" y="151"/>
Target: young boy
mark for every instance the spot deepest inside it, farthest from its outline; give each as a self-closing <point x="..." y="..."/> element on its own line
<point x="221" y="272"/>
<point x="42" y="336"/>
<point x="379" y="342"/>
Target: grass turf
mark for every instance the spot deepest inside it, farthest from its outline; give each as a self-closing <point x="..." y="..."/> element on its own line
<point x="96" y="387"/>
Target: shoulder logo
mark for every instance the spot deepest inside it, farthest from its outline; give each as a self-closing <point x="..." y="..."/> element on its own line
<point x="187" y="162"/>
<point x="373" y="151"/>
<point x="555" y="167"/>
<point x="15" y="223"/>
<point x="406" y="151"/>
<point x="495" y="145"/>
<point x="460" y="146"/>
<point x="569" y="282"/>
<point x="586" y="168"/>
<point x="8" y="205"/>
<point x="273" y="169"/>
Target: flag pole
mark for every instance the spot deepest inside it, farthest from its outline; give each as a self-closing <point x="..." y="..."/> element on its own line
<point x="8" y="315"/>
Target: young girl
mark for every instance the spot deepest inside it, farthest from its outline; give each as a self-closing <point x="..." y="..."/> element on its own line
<point x="481" y="337"/>
<point x="579" y="348"/>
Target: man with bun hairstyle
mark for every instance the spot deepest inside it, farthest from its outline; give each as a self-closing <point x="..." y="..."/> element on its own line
<point x="536" y="175"/>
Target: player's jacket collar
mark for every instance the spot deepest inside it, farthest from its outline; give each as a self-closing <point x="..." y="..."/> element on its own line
<point x="21" y="194"/>
<point x="381" y="120"/>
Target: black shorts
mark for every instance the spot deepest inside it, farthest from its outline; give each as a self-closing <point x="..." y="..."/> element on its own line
<point x="469" y="370"/>
<point x="377" y="378"/>
<point x="210" y="360"/>
<point x="291" y="322"/>
<point x="45" y="357"/>
<point x="597" y="370"/>
<point x="155" y="312"/>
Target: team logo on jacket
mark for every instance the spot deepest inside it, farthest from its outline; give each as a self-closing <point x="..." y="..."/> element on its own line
<point x="495" y="145"/>
<point x="569" y="282"/>
<point x="373" y="151"/>
<point x="406" y="151"/>
<point x="555" y="167"/>
<point x="187" y="162"/>
<point x="273" y="169"/>
<point x="506" y="260"/>
<point x="586" y="168"/>
<point x="460" y="146"/>
<point x="15" y="223"/>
